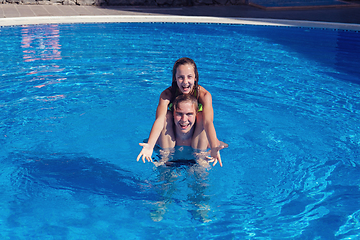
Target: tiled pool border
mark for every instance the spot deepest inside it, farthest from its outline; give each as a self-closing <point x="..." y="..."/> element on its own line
<point x="175" y="19"/>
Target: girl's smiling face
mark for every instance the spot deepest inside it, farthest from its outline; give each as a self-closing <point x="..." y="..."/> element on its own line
<point x="185" y="78"/>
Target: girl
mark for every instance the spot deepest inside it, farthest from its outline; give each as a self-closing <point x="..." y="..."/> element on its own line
<point x="185" y="78"/>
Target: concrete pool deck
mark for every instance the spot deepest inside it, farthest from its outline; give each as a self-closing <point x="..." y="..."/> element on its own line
<point x="330" y="17"/>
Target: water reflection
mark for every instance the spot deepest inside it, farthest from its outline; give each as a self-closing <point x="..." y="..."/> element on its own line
<point x="41" y="42"/>
<point x="41" y="45"/>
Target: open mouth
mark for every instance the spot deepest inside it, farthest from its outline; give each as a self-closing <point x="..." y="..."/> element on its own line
<point x="186" y="88"/>
<point x="184" y="125"/>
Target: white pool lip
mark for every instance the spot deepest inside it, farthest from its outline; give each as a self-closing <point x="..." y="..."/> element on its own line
<point x="175" y="19"/>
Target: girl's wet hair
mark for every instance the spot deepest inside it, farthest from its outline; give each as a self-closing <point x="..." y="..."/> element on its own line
<point x="174" y="87"/>
<point x="186" y="98"/>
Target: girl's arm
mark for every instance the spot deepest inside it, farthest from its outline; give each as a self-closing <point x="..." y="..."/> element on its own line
<point x="209" y="127"/>
<point x="157" y="127"/>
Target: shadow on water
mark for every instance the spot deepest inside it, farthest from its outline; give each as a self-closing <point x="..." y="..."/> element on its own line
<point x="62" y="195"/>
<point x="76" y="174"/>
<point x="345" y="44"/>
<point x="336" y="49"/>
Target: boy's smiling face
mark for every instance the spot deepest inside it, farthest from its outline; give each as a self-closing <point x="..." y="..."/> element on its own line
<point x="184" y="117"/>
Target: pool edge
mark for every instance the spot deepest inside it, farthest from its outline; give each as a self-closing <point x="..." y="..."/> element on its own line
<point x="175" y="19"/>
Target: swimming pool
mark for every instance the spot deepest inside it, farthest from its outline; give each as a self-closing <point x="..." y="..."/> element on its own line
<point x="76" y="99"/>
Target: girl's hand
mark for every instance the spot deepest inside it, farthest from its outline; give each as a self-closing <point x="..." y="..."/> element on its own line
<point x="145" y="153"/>
<point x="215" y="154"/>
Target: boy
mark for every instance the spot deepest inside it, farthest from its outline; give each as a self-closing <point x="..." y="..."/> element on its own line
<point x="185" y="109"/>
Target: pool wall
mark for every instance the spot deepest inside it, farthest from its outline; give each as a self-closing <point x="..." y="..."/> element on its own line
<point x="175" y="19"/>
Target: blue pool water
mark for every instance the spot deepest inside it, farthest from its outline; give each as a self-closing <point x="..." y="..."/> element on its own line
<point x="77" y="99"/>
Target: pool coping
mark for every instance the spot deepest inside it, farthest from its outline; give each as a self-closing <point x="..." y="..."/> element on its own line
<point x="175" y="19"/>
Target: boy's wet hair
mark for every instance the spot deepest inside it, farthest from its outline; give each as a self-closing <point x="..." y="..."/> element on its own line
<point x="174" y="86"/>
<point x="186" y="98"/>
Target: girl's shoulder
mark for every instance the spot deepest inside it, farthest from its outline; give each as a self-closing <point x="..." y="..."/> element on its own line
<point x="167" y="94"/>
<point x="204" y="95"/>
<point x="168" y="90"/>
<point x="203" y="92"/>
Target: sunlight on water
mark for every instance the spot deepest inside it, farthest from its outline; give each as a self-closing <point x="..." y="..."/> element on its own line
<point x="77" y="99"/>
